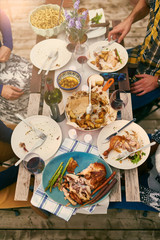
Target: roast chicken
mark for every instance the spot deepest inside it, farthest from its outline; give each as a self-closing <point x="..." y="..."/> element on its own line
<point x="77" y="188"/>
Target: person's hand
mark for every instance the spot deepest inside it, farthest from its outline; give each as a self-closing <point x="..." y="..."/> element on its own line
<point x="120" y="31"/>
<point x="5" y="53"/>
<point x="11" y="93"/>
<point x="147" y="83"/>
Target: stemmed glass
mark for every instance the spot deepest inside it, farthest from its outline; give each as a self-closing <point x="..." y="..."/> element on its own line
<point x="118" y="100"/>
<point x="81" y="56"/>
<point x="34" y="163"/>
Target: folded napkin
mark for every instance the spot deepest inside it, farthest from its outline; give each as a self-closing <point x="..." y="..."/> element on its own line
<point x="41" y="200"/>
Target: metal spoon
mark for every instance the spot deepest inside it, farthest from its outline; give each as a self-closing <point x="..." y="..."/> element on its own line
<point x="89" y="108"/>
<point x="60" y="9"/>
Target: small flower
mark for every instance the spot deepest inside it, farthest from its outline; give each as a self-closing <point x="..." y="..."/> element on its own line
<point x="84" y="14"/>
<point x="76" y="4"/>
<point x="71" y="23"/>
<point x="67" y="16"/>
<point x="76" y="23"/>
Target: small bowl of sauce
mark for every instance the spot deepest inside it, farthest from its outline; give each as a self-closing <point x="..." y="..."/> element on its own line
<point x="69" y="80"/>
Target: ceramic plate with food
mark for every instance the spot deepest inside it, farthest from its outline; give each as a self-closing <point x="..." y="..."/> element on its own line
<point x="24" y="138"/>
<point x="102" y="114"/>
<point x="129" y="139"/>
<point x="96" y="16"/>
<point x="76" y="187"/>
<point x="107" y="58"/>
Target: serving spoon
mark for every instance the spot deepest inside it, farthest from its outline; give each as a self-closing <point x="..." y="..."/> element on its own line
<point x="60" y="9"/>
<point x="89" y="108"/>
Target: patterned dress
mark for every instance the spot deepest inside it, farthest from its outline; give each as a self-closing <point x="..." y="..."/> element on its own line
<point x="16" y="72"/>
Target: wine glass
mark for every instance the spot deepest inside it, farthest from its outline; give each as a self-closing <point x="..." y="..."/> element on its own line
<point x="33" y="163"/>
<point x="118" y="100"/>
<point x="71" y="45"/>
<point x="81" y="56"/>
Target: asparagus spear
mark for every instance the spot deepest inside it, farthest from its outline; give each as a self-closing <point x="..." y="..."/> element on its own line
<point x="59" y="184"/>
<point x="53" y="176"/>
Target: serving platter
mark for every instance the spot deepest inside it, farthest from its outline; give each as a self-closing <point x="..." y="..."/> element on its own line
<point x="83" y="160"/>
<point x="113" y="155"/>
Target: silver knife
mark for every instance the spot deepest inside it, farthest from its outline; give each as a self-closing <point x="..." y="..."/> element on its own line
<point x="114" y="134"/>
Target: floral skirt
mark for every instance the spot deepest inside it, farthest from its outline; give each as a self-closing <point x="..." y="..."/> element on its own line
<point x="16" y="72"/>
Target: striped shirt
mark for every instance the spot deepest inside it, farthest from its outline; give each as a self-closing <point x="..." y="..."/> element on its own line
<point x="146" y="57"/>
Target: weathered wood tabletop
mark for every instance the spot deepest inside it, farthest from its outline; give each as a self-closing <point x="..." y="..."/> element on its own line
<point x="23" y="181"/>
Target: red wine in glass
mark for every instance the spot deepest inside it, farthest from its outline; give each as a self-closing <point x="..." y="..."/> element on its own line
<point x="117" y="104"/>
<point x="33" y="163"/>
<point x="118" y="99"/>
<point x="82" y="59"/>
<point x="71" y="47"/>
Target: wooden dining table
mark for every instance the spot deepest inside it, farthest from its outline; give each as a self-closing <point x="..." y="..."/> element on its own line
<point x="37" y="106"/>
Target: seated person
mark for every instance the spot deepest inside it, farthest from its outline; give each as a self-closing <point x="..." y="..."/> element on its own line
<point x="150" y="181"/>
<point x="144" y="60"/>
<point x="15" y="73"/>
<point x="8" y="176"/>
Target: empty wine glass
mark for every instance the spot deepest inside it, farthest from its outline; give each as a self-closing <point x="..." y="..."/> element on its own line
<point x="33" y="163"/>
<point x="81" y="56"/>
<point x="118" y="99"/>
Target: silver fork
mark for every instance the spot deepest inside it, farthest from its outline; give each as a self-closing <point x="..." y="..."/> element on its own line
<point x="45" y="61"/>
<point x="53" y="57"/>
<point x="39" y="133"/>
<point x="115" y="133"/>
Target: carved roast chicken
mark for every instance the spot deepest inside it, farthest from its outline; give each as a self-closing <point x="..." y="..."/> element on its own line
<point x="77" y="188"/>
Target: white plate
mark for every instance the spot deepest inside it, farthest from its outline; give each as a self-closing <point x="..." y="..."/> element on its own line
<point x="113" y="127"/>
<point x="96" y="46"/>
<point x="42" y="49"/>
<point x="101" y="30"/>
<point x="23" y="134"/>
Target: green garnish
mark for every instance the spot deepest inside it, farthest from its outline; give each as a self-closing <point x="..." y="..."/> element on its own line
<point x="137" y="157"/>
<point x="96" y="19"/>
<point x="119" y="59"/>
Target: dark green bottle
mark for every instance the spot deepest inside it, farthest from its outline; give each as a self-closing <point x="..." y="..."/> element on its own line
<point x="54" y="98"/>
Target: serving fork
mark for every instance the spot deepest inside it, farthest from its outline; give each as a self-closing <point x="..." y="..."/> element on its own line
<point x="39" y="133"/>
<point x="115" y="133"/>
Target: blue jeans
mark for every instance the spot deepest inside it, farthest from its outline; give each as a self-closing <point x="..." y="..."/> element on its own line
<point x="8" y="176"/>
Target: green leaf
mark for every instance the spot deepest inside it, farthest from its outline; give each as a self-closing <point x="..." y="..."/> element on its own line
<point x="96" y="19"/>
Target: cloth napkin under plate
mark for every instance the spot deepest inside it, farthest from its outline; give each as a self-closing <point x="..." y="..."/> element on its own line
<point x="41" y="200"/>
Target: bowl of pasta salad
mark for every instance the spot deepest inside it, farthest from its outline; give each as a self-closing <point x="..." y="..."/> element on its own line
<point x="44" y="20"/>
